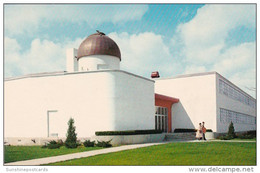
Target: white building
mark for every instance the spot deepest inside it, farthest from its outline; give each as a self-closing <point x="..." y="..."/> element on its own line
<point x="211" y="98"/>
<point x="101" y="97"/>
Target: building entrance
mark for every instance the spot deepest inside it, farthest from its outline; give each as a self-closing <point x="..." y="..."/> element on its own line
<point x="161" y="118"/>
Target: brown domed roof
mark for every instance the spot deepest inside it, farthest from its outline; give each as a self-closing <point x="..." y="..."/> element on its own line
<point x="98" y="44"/>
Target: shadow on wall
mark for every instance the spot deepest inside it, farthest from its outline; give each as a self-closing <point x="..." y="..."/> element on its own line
<point x="180" y="118"/>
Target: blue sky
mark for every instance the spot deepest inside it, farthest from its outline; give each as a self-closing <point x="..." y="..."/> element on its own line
<point x="171" y="38"/>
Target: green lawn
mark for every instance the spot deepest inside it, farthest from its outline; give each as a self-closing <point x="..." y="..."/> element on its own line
<point x="199" y="153"/>
<point x="238" y="139"/>
<point x="18" y="153"/>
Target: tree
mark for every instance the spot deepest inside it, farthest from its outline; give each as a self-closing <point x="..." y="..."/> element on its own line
<point x="231" y="131"/>
<point x="71" y="140"/>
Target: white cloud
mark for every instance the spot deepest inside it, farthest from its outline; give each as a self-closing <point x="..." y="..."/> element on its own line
<point x="144" y="53"/>
<point x="203" y="45"/>
<point x="204" y="36"/>
<point x="26" y="19"/>
<point x="194" y="69"/>
<point x="237" y="58"/>
<point x="43" y="56"/>
<point x="12" y="49"/>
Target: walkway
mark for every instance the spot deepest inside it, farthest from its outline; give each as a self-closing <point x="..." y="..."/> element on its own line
<point x="47" y="160"/>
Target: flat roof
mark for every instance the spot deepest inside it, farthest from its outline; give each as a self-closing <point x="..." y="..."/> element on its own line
<point x="166" y="98"/>
<point x="234" y="85"/>
<point x="186" y="75"/>
<point x="60" y="73"/>
<point x="203" y="74"/>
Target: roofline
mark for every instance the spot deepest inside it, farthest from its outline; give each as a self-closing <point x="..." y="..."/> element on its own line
<point x="203" y="74"/>
<point x="166" y="98"/>
<point x="234" y="85"/>
<point x="60" y="73"/>
<point x="187" y="75"/>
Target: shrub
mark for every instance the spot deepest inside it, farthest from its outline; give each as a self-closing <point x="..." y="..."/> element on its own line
<point x="60" y="142"/>
<point x="231" y="130"/>
<point x="188" y="130"/>
<point x="44" y="146"/>
<point x="247" y="135"/>
<point x="226" y="137"/>
<point x="104" y="144"/>
<point x="71" y="145"/>
<point x="128" y="132"/>
<point x="251" y="132"/>
<point x="71" y="140"/>
<point x="53" y="142"/>
<point x="89" y="143"/>
<point x="53" y="145"/>
<point x="231" y="133"/>
<point x="184" y="130"/>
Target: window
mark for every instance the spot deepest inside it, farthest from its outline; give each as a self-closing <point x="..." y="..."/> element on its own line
<point x="235" y="94"/>
<point x="161" y="118"/>
<point x="226" y="116"/>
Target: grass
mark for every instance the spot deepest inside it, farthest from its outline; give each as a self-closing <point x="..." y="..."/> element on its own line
<point x="199" y="153"/>
<point x="18" y="153"/>
<point x="239" y="139"/>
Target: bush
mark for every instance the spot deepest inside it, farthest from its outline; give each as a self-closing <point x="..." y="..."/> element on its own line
<point x="188" y="130"/>
<point x="247" y="135"/>
<point x="226" y="137"/>
<point x="60" y="142"/>
<point x="71" y="140"/>
<point x="184" y="130"/>
<point x="231" y="130"/>
<point x="53" y="145"/>
<point x="251" y="132"/>
<point x="104" y="144"/>
<point x="71" y="145"/>
<point x="129" y="132"/>
<point x="44" y="146"/>
<point x="89" y="143"/>
<point x="231" y="133"/>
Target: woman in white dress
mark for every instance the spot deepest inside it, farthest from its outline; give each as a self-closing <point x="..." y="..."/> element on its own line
<point x="199" y="132"/>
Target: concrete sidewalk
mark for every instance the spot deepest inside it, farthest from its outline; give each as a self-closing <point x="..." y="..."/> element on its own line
<point x="65" y="157"/>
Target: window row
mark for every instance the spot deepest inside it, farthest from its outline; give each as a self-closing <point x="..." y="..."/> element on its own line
<point x="161" y="110"/>
<point x="226" y="116"/>
<point x="233" y="93"/>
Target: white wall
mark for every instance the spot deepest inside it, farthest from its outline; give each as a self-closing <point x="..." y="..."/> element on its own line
<point x="134" y="100"/>
<point x="228" y="103"/>
<point x="98" y="101"/>
<point x="98" y="62"/>
<point x="197" y="94"/>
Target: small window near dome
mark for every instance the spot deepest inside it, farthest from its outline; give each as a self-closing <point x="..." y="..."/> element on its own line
<point x="102" y="66"/>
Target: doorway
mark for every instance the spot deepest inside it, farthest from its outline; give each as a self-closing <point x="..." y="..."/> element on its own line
<point x="52" y="128"/>
<point x="161" y="118"/>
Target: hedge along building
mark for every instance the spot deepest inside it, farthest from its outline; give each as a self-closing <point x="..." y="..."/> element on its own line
<point x="101" y="97"/>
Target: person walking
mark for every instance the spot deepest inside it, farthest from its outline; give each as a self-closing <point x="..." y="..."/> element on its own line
<point x="203" y="131"/>
<point x="199" y="132"/>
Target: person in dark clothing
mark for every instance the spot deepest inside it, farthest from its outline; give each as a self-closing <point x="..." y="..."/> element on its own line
<point x="203" y="131"/>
